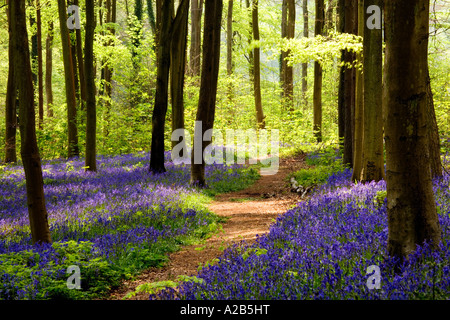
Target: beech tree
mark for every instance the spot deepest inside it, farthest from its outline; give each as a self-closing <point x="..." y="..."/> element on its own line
<point x="257" y="67"/>
<point x="166" y="27"/>
<point x="411" y="206"/>
<point x="317" y="95"/>
<point x="11" y="103"/>
<point x="372" y="155"/>
<point x="305" y="65"/>
<point x="31" y="159"/>
<point x="91" y="115"/>
<point x="195" y="48"/>
<point x="73" y="149"/>
<point x="177" y="67"/>
<point x="208" y="85"/>
<point x="287" y="72"/>
<point x="349" y="24"/>
<point x="49" y="69"/>
<point x="39" y="63"/>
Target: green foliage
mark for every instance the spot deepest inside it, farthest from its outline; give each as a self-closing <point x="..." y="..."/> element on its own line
<point x="324" y="163"/>
<point x="97" y="276"/>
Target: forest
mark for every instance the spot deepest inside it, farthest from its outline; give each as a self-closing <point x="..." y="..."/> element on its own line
<point x="224" y="150"/>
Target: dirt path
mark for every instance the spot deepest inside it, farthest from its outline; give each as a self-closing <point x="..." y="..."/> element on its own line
<point x="249" y="212"/>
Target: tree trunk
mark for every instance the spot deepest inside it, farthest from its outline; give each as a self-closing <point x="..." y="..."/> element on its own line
<point x="349" y="83"/>
<point x="49" y="69"/>
<point x="166" y="29"/>
<point x="434" y="142"/>
<point x="373" y="160"/>
<point x="11" y="102"/>
<point x="317" y="97"/>
<point x="257" y="68"/>
<point x="37" y="212"/>
<point x="230" y="65"/>
<point x="287" y="72"/>
<point x="79" y="54"/>
<point x="195" y="49"/>
<point x="151" y="17"/>
<point x="305" y="65"/>
<point x="411" y="207"/>
<point x="178" y="66"/>
<point x="39" y="63"/>
<point x="73" y="149"/>
<point x="208" y="86"/>
<point x="111" y="13"/>
<point x="91" y="115"/>
<point x="358" y="135"/>
<point x="341" y="100"/>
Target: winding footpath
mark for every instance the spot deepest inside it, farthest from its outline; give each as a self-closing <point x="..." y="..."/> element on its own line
<point x="248" y="212"/>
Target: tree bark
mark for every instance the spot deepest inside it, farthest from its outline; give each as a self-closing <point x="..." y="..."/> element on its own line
<point x="178" y="66"/>
<point x="73" y="149"/>
<point x="411" y="206"/>
<point x="80" y="60"/>
<point x="358" y="135"/>
<point x="260" y="118"/>
<point x="230" y="65"/>
<point x="11" y="102"/>
<point x="49" y="69"/>
<point x="91" y="114"/>
<point x="305" y="65"/>
<point x="349" y="84"/>
<point x="39" y="63"/>
<point x="195" y="49"/>
<point x="166" y="29"/>
<point x="287" y="72"/>
<point x="373" y="160"/>
<point x="208" y="86"/>
<point x="433" y="134"/>
<point x="37" y="212"/>
<point x="317" y="96"/>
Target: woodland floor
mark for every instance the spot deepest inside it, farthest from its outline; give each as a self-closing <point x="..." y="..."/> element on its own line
<point x="249" y="212"/>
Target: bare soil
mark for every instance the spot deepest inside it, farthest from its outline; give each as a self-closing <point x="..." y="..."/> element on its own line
<point x="249" y="212"/>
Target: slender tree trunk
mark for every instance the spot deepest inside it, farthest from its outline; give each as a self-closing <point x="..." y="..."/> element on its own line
<point x="178" y="66"/>
<point x="251" y="60"/>
<point x="373" y="160"/>
<point x="37" y="212"/>
<point x="230" y="65"/>
<point x="317" y="98"/>
<point x="195" y="49"/>
<point x="162" y="80"/>
<point x="91" y="114"/>
<point x="411" y="206"/>
<point x="111" y="15"/>
<point x="433" y="134"/>
<point x="358" y="136"/>
<point x="49" y="69"/>
<point x="10" y="105"/>
<point x="305" y="65"/>
<point x="349" y="83"/>
<point x="287" y="72"/>
<point x="151" y="16"/>
<point x="260" y="118"/>
<point x="341" y="100"/>
<point x="73" y="149"/>
<point x="80" y="60"/>
<point x="39" y="63"/>
<point x="208" y="86"/>
<point x="166" y="29"/>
